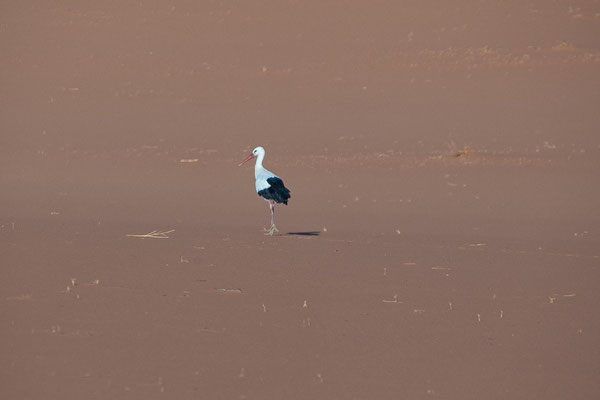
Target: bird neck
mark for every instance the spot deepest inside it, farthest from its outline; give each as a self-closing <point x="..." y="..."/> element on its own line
<point x="259" y="161"/>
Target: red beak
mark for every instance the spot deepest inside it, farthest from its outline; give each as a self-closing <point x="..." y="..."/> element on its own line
<point x="250" y="157"/>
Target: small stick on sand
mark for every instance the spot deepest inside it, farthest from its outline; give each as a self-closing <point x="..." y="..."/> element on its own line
<point x="210" y="330"/>
<point x="154" y="234"/>
<point x="228" y="290"/>
<point x="21" y="297"/>
<point x="392" y="301"/>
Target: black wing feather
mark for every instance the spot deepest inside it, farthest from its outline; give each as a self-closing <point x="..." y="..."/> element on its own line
<point x="276" y="191"/>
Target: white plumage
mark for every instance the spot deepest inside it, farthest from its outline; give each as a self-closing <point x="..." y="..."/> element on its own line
<point x="261" y="174"/>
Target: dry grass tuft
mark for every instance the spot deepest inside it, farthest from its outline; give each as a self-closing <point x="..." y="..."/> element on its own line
<point x="154" y="234"/>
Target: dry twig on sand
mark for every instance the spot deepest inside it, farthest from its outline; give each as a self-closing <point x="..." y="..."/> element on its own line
<point x="154" y="234"/>
<point x="228" y="290"/>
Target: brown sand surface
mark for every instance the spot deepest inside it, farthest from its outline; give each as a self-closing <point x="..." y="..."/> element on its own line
<point x="443" y="236"/>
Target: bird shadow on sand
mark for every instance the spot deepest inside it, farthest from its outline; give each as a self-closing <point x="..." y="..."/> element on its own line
<point x="308" y="233"/>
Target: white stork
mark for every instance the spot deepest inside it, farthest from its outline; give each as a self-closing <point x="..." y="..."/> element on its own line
<point x="268" y="185"/>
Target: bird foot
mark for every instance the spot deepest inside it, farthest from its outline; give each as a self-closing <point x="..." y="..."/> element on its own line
<point x="271" y="231"/>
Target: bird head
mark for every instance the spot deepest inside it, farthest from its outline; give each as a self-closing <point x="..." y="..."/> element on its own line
<point x="255" y="153"/>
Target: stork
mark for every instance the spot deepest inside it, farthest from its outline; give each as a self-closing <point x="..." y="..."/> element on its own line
<point x="268" y="185"/>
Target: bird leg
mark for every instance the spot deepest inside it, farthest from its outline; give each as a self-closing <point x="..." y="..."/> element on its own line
<point x="272" y="229"/>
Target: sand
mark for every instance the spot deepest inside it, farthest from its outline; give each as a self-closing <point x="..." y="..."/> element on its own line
<point x="443" y="236"/>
